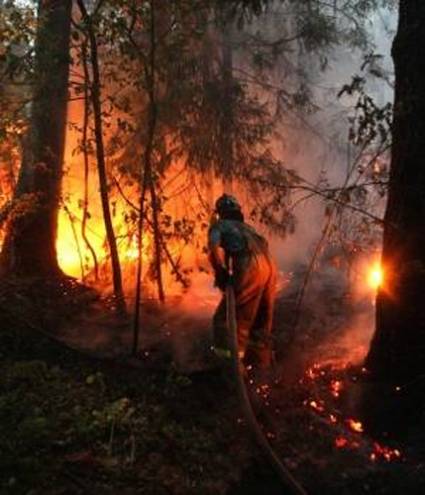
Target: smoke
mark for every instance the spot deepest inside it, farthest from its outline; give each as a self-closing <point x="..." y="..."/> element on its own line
<point x="314" y="144"/>
<point x="337" y="313"/>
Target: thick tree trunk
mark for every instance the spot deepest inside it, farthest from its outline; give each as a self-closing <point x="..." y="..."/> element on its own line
<point x="398" y="347"/>
<point x="30" y="244"/>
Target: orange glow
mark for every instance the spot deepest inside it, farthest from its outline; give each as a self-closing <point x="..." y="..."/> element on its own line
<point x="351" y="440"/>
<point x="375" y="276"/>
<point x="316" y="406"/>
<point x="355" y="425"/>
<point x="341" y="442"/>
<point x="132" y="252"/>
<point x="68" y="257"/>
<point x="336" y="387"/>
<point x="313" y="372"/>
<point x="75" y="249"/>
<point x="383" y="452"/>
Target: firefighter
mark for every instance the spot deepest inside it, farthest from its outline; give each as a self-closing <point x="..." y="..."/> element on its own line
<point x="254" y="279"/>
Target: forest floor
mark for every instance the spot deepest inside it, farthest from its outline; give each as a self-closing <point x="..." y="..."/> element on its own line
<point x="73" y="422"/>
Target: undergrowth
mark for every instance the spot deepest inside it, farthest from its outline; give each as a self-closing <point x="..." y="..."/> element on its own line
<point x="69" y="424"/>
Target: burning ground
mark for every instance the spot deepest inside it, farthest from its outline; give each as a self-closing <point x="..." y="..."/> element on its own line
<point x="145" y="426"/>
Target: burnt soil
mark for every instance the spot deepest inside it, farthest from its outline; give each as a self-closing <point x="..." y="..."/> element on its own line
<point x="73" y="421"/>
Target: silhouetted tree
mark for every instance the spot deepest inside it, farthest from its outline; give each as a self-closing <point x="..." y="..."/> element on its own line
<point x="100" y="156"/>
<point x="398" y="347"/>
<point x="29" y="247"/>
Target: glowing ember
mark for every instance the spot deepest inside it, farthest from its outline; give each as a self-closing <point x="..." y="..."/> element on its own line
<point x="314" y="372"/>
<point x="380" y="451"/>
<point x="375" y="276"/>
<point x="341" y="442"/>
<point x="351" y="440"/>
<point x="336" y="387"/>
<point x="316" y="406"/>
<point x="355" y="425"/>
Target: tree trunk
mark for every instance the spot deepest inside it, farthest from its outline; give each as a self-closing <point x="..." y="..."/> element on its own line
<point x="157" y="241"/>
<point x="101" y="162"/>
<point x="146" y="182"/>
<point x="86" y="117"/>
<point x="29" y="248"/>
<point x="398" y="347"/>
<point x="152" y="123"/>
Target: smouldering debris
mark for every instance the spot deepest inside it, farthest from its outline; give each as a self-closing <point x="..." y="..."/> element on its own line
<point x="355" y="425"/>
<point x="383" y="452"/>
<point x="326" y="384"/>
<point x="336" y="387"/>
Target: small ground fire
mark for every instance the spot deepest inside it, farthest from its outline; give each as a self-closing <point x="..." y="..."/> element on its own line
<point x="325" y="385"/>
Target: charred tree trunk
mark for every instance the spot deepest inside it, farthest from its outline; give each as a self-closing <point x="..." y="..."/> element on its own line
<point x="101" y="162"/>
<point x="398" y="347"/>
<point x="29" y="248"/>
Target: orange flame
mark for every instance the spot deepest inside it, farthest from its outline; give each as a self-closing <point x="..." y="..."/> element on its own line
<point x="68" y="257"/>
<point x="375" y="276"/>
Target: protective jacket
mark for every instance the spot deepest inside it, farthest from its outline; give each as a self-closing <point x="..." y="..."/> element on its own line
<point x="255" y="286"/>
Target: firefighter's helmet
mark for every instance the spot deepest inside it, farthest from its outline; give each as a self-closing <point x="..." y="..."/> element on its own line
<point x="226" y="204"/>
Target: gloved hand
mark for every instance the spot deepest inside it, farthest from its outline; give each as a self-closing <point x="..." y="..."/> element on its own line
<point x="221" y="278"/>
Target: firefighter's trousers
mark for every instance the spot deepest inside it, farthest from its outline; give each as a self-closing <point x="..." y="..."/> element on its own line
<point x="255" y="289"/>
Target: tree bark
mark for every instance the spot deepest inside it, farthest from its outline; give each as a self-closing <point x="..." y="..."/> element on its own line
<point x="101" y="162"/>
<point x="29" y="248"/>
<point x="398" y="346"/>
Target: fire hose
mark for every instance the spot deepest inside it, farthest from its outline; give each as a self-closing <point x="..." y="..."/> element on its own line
<point x="285" y="476"/>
